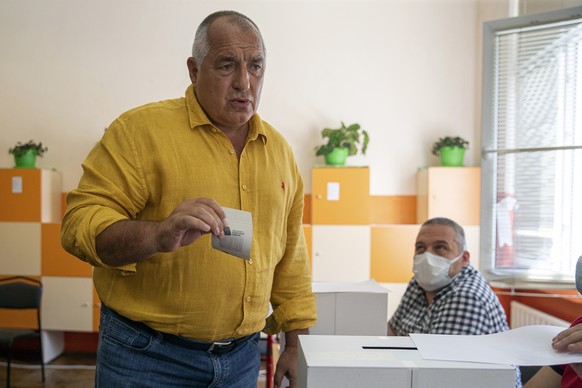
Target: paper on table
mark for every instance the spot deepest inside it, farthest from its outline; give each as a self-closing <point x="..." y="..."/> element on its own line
<point x="528" y="345"/>
<point x="238" y="243"/>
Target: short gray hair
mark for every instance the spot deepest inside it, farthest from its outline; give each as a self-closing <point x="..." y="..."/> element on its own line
<point x="459" y="231"/>
<point x="201" y="45"/>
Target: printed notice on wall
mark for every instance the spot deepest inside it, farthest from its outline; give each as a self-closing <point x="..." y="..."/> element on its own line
<point x="16" y="184"/>
<point x="333" y="191"/>
<point x="238" y="236"/>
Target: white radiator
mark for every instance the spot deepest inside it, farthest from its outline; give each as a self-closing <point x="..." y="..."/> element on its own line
<point x="523" y="315"/>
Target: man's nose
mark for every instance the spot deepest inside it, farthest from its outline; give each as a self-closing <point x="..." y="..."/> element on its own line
<point x="242" y="79"/>
<point x="432" y="250"/>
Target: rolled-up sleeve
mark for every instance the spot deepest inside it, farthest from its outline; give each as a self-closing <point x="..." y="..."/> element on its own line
<point x="110" y="190"/>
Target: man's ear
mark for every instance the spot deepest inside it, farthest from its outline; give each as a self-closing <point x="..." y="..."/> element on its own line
<point x="192" y="69"/>
<point x="465" y="258"/>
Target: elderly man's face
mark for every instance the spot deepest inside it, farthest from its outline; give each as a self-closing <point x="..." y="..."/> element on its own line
<point x="440" y="240"/>
<point x="228" y="83"/>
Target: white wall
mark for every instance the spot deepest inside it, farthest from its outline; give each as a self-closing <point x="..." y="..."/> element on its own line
<point x="406" y="70"/>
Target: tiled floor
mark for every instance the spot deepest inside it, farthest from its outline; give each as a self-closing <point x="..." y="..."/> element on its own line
<point x="70" y="370"/>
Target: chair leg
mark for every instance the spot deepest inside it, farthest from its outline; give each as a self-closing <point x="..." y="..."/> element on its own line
<point x="8" y="359"/>
<point x="41" y="356"/>
<point x="270" y="366"/>
<point x="42" y="369"/>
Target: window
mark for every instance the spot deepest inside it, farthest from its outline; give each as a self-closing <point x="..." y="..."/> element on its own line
<point x="531" y="207"/>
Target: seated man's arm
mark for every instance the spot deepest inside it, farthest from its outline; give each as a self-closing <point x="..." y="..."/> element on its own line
<point x="544" y="378"/>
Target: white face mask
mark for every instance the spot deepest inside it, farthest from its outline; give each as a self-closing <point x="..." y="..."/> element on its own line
<point x="579" y="275"/>
<point x="432" y="271"/>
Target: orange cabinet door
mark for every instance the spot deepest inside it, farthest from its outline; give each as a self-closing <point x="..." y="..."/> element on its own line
<point x="340" y="196"/>
<point x="30" y="195"/>
<point x="451" y="192"/>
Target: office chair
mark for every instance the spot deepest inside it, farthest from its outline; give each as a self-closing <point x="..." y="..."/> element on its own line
<point x="19" y="292"/>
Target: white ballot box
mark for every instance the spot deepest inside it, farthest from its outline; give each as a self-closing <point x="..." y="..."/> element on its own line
<point x="350" y="308"/>
<point x="368" y="361"/>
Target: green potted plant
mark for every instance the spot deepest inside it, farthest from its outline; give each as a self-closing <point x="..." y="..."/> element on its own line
<point x="451" y="150"/>
<point x="25" y="153"/>
<point x="342" y="142"/>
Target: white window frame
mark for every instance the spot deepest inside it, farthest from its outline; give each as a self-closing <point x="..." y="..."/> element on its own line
<point x="563" y="278"/>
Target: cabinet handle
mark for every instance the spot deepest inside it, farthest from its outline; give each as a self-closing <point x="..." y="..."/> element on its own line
<point x="319" y="196"/>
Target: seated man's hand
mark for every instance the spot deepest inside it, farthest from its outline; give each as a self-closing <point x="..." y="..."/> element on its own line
<point x="569" y="340"/>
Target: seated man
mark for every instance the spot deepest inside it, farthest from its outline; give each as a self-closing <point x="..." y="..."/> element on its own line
<point x="446" y="295"/>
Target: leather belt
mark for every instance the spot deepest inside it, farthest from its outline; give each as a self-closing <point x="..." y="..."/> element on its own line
<point x="216" y="347"/>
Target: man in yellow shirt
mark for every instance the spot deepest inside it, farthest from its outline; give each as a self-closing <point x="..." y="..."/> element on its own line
<point x="176" y="311"/>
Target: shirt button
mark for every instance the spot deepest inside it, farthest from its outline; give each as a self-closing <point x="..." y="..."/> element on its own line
<point x="244" y="187"/>
<point x="231" y="151"/>
<point x="248" y="298"/>
<point x="250" y="261"/>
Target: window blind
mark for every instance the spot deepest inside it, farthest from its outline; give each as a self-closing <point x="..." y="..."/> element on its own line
<point x="532" y="147"/>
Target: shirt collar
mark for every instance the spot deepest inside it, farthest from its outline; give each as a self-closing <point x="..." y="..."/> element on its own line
<point x="452" y="286"/>
<point x="198" y="118"/>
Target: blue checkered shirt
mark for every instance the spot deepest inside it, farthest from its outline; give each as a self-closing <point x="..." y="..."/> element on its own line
<point x="467" y="306"/>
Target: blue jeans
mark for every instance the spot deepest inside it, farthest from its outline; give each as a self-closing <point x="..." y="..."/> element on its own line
<point x="131" y="354"/>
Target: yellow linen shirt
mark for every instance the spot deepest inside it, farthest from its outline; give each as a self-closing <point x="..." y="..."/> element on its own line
<point x="152" y="158"/>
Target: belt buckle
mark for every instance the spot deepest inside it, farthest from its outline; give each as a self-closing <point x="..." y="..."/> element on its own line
<point x="219" y="344"/>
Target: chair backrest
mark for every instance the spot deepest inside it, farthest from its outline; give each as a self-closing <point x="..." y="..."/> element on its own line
<point x="20" y="292"/>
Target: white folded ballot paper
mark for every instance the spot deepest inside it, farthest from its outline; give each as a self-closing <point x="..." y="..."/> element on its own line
<point x="238" y="237"/>
<point x="525" y="346"/>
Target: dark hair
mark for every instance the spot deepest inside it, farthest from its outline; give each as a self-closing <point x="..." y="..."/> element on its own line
<point x="459" y="231"/>
<point x="201" y="45"/>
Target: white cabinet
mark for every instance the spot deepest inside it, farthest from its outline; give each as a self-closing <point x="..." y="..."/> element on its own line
<point x="341" y="253"/>
<point x="350" y="308"/>
<point x="20" y="243"/>
<point x="67" y="303"/>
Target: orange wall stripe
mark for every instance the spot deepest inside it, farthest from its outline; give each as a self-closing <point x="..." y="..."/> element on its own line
<point x="392" y="209"/>
<point x="567" y="309"/>
<point x="384" y="209"/>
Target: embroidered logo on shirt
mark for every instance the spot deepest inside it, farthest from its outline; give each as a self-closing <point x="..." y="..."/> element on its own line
<point x="283" y="185"/>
